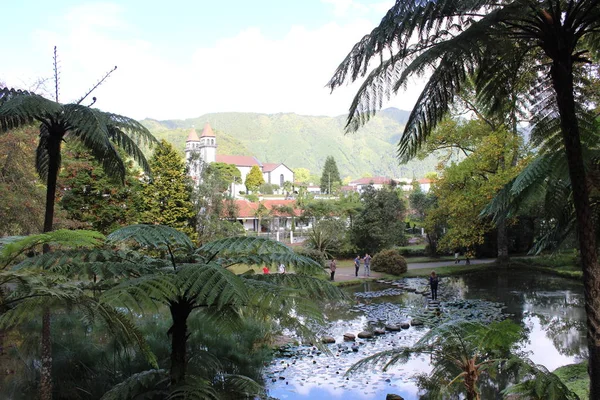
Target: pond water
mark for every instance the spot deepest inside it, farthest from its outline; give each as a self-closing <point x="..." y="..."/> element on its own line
<point x="551" y="308"/>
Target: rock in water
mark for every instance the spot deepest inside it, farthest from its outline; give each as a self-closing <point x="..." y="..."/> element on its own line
<point x="392" y="396"/>
<point x="365" y="335"/>
<point x="349" y="337"/>
<point x="327" y="339"/>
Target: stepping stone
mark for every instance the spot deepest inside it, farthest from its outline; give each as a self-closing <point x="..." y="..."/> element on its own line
<point x="392" y="328"/>
<point x="349" y="337"/>
<point x="405" y="325"/>
<point x="379" y="331"/>
<point x="327" y="339"/>
<point x="416" y="322"/>
<point x="365" y="335"/>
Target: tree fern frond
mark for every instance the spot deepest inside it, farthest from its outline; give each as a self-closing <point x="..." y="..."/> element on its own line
<point x="241" y="386"/>
<point x="211" y="285"/>
<point x="153" y="237"/>
<point x="195" y="388"/>
<point x="311" y="287"/>
<point x="141" y="293"/>
<point x="125" y="142"/>
<point x="18" y="108"/>
<point x="147" y="384"/>
<point x="42" y="157"/>
<point x="62" y="238"/>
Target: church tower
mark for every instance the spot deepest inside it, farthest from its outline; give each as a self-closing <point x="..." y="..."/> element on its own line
<point x="208" y="145"/>
<point x="193" y="155"/>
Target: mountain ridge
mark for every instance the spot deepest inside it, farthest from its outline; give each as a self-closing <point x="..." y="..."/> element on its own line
<point x="304" y="140"/>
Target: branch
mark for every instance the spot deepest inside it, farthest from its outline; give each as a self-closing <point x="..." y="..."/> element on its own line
<point x="100" y="82"/>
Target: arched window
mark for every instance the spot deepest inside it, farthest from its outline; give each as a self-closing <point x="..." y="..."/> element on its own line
<point x="212" y="141"/>
<point x="281" y="180"/>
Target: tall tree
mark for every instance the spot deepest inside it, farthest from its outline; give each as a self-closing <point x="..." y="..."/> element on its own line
<point x="330" y="176"/>
<point x="497" y="43"/>
<point x="226" y="173"/>
<point x="98" y="131"/>
<point x="301" y="174"/>
<point x="93" y="198"/>
<point x="167" y="197"/>
<point x="380" y="224"/>
<point x="254" y="179"/>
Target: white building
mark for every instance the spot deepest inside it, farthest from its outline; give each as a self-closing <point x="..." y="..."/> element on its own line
<point x="203" y="149"/>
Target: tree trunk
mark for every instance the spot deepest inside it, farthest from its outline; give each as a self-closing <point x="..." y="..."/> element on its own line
<point x="53" y="164"/>
<point x="179" y="313"/>
<point x="562" y="80"/>
<point x="502" y="242"/>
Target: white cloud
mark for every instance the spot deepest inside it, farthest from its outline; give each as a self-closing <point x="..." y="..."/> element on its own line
<point x="244" y="72"/>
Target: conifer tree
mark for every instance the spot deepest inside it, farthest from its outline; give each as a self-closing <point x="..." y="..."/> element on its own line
<point x="167" y="197"/>
<point x="254" y="179"/>
<point x="330" y="176"/>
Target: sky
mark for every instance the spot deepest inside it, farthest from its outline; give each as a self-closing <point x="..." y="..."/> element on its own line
<point x="180" y="59"/>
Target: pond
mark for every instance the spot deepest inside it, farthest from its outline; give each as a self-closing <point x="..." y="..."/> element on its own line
<point x="550" y="308"/>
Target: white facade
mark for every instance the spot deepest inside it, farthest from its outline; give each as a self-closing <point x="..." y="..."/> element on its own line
<point x="279" y="175"/>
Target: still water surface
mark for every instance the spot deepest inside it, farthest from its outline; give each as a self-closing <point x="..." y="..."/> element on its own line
<point x="550" y="307"/>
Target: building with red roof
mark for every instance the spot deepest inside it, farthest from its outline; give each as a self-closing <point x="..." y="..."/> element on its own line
<point x="203" y="150"/>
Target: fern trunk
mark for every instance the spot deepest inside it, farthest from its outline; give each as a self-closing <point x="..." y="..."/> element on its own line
<point x="562" y="80"/>
<point x="179" y="313"/>
<point x="502" y="242"/>
<point x="53" y="165"/>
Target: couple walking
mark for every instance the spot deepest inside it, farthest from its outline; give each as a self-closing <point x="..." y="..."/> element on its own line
<point x="367" y="262"/>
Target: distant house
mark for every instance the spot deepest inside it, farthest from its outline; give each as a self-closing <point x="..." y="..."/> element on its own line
<point x="425" y="184"/>
<point x="378" y="183"/>
<point x="248" y="213"/>
<point x="203" y="149"/>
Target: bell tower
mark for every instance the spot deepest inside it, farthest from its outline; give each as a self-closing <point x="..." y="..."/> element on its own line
<point x="193" y="155"/>
<point x="208" y="145"/>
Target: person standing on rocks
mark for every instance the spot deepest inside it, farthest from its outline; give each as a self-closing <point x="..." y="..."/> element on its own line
<point x="281" y="268"/>
<point x="367" y="261"/>
<point x="433" y="282"/>
<point x="356" y="265"/>
<point x="332" y="267"/>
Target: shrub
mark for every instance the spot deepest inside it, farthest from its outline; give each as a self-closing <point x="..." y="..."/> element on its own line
<point x="389" y="262"/>
<point x="313" y="254"/>
<point x="252" y="197"/>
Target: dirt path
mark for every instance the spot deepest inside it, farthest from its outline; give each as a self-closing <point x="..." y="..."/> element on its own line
<point x="344" y="274"/>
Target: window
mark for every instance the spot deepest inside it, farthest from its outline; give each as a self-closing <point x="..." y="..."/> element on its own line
<point x="281" y="180"/>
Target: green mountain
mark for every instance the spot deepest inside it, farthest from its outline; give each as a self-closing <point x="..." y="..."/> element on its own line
<point x="304" y="141"/>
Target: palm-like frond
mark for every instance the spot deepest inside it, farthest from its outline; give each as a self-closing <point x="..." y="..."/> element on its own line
<point x="257" y="251"/>
<point x="144" y="292"/>
<point x="153" y="237"/>
<point x="12" y="249"/>
<point x="150" y="384"/>
<point x="19" y="107"/>
<point x="538" y="383"/>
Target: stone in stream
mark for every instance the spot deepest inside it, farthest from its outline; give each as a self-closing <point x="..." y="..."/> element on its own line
<point x="405" y="325"/>
<point x="416" y="322"/>
<point x="327" y="339"/>
<point x="392" y="328"/>
<point x="349" y="337"/>
<point x="365" y="335"/>
<point x="379" y="331"/>
<point x="392" y="396"/>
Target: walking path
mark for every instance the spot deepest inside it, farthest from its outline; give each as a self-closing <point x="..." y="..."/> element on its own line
<point x="344" y="274"/>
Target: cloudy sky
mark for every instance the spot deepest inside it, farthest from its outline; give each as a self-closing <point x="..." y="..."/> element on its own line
<point x="184" y="58"/>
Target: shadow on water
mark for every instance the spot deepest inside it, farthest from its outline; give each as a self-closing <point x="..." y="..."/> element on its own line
<point x="549" y="307"/>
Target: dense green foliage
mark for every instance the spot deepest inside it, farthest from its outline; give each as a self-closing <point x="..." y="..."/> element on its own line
<point x="380" y="223"/>
<point x="254" y="179"/>
<point x="304" y="141"/>
<point x="330" y="178"/>
<point x="225" y="173"/>
<point x="389" y="261"/>
<point x="167" y="197"/>
<point x="21" y="191"/>
<point x="94" y="199"/>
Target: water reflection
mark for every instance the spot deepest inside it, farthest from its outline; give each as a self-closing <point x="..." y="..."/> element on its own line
<point x="551" y="308"/>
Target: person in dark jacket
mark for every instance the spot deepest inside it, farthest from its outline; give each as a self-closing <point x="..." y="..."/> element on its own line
<point x="433" y="282"/>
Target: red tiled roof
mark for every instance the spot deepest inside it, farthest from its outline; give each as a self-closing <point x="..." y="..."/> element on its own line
<point x="207" y="131"/>
<point x="425" y="180"/>
<point x="247" y="209"/>
<point x="348" y="188"/>
<point x="375" y="180"/>
<point x="240" y="161"/>
<point x="193" y="136"/>
<point x="268" y="167"/>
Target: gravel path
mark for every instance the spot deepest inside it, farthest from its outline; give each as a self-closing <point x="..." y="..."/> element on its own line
<point x="344" y="274"/>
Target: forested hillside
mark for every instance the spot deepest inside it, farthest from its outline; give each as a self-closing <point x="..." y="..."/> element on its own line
<point x="304" y="141"/>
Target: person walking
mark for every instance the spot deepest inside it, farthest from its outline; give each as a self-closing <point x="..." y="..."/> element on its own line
<point x="332" y="268"/>
<point x="356" y="265"/>
<point x="281" y="268"/>
<point x="265" y="270"/>
<point x="433" y="282"/>
<point x="367" y="261"/>
<point x="456" y="259"/>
